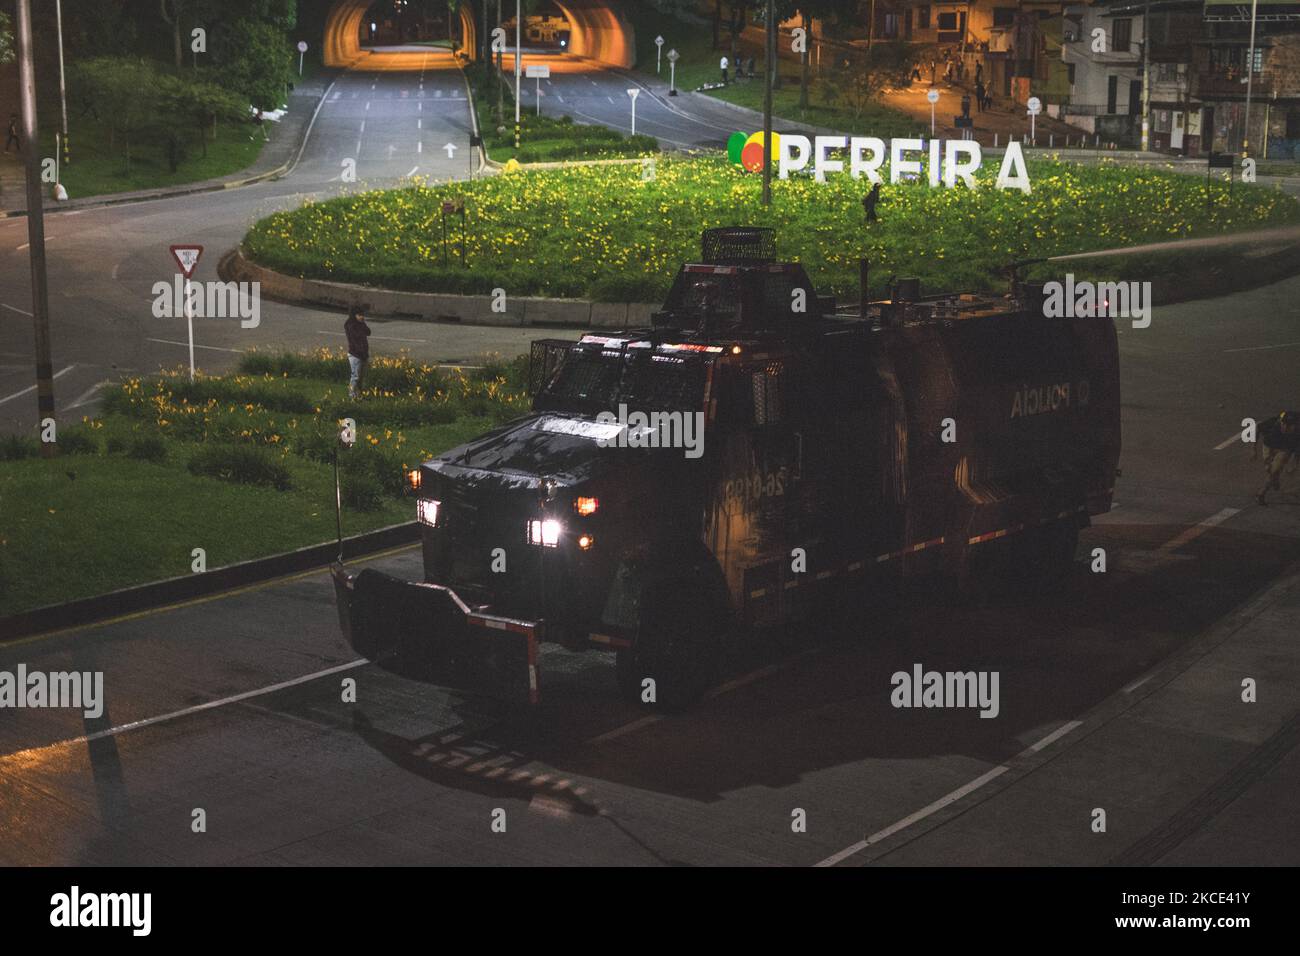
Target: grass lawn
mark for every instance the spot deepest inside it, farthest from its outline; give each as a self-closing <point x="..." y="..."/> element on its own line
<point x="604" y="233"/>
<point x="238" y="465"/>
<point x="545" y="138"/>
<point x="98" y="168"/>
<point x="699" y="64"/>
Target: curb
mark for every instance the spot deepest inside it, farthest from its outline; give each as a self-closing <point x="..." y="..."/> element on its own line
<point x="521" y="311"/>
<point x="208" y="186"/>
<point x="146" y="597"/>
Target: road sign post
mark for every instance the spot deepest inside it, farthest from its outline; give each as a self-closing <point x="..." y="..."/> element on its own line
<point x="539" y="72"/>
<point x="302" y="49"/>
<point x="634" y="93"/>
<point x="1033" y="107"/>
<point x="932" y="97"/>
<point x="187" y="258"/>
<point x="673" y="56"/>
<point x="659" y="53"/>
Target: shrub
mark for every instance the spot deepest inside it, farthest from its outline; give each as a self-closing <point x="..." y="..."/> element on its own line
<point x="77" y="441"/>
<point x="361" y="492"/>
<point x="148" y="448"/>
<point x="14" y="447"/>
<point x="242" y="464"/>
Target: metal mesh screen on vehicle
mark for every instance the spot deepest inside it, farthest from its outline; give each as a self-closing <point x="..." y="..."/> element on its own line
<point x="740" y="244"/>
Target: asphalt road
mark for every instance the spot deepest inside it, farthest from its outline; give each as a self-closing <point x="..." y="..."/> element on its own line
<point x="1122" y="694"/>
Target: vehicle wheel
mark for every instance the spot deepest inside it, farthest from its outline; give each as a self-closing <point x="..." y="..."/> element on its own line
<point x="1059" y="542"/>
<point x="674" y="648"/>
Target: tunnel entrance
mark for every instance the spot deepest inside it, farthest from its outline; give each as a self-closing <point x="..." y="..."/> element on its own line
<point x="593" y="29"/>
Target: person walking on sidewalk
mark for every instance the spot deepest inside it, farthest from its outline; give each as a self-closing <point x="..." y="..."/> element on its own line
<point x="13" y="139"/>
<point x="358" y="334"/>
<point x="979" y="96"/>
<point x="1280" y="436"/>
<point x="724" y="64"/>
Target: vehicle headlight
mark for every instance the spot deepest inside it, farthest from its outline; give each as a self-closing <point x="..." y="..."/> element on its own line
<point x="544" y="532"/>
<point x="426" y="510"/>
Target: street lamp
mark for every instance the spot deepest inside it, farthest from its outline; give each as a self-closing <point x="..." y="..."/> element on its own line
<point x="519" y="59"/>
<point x="1250" y="69"/>
<point x="63" y="87"/>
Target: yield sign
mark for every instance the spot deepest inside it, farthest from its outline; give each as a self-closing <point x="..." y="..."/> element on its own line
<point x="187" y="257"/>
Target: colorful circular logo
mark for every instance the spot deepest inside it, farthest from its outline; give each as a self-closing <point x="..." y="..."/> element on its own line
<point x="747" y="151"/>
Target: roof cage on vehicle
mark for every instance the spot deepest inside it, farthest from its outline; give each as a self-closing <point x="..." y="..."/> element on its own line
<point x="739" y="244"/>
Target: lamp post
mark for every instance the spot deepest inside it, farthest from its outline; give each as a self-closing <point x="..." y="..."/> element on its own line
<point x="63" y="86"/>
<point x="35" y="219"/>
<point x="1250" y="70"/>
<point x="769" y="64"/>
<point x="519" y="59"/>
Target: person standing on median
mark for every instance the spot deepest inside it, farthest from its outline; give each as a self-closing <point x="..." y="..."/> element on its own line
<point x="358" y="334"/>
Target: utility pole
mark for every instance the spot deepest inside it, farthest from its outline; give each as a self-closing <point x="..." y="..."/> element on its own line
<point x="769" y="65"/>
<point x="63" y="86"/>
<point x="35" y="220"/>
<point x="1146" y="76"/>
<point x="519" y="60"/>
<point x="1250" y="72"/>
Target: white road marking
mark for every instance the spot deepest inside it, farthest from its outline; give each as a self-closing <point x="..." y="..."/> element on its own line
<point x="611" y="99"/>
<point x="1137" y="683"/>
<point x="412" y="172"/>
<point x="210" y="348"/>
<point x="363" y="127"/>
<point x="358" y="150"/>
<point x="85" y="397"/>
<point x="1198" y="529"/>
<point x="419" y="124"/>
<point x="15" y="309"/>
<point x="198" y="708"/>
<point x="1231" y="440"/>
<point x="420" y="107"/>
<point x="32" y="388"/>
<point x="419" y="147"/>
<point x="1265" y="348"/>
<point x="367" y="104"/>
<point x="947" y="799"/>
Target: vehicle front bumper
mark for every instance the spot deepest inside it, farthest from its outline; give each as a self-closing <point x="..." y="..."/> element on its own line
<point x="427" y="631"/>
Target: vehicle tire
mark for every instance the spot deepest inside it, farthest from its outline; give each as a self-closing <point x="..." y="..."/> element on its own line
<point x="675" y="647"/>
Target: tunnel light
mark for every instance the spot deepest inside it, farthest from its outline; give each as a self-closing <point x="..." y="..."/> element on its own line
<point x="545" y="533"/>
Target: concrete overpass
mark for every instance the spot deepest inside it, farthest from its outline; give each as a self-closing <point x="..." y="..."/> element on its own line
<point x="599" y="32"/>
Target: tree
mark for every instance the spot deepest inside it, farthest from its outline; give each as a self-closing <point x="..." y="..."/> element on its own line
<point x="884" y="64"/>
<point x="6" y="39"/>
<point x="252" y="57"/>
<point x="822" y="10"/>
<point x="123" y="90"/>
<point x="183" y="102"/>
<point x="173" y="19"/>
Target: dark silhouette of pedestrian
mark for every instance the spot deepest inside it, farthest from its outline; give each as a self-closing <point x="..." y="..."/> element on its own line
<point x="869" y="202"/>
<point x="979" y="95"/>
<point x="13" y="138"/>
<point x="1280" y="436"/>
<point x="965" y="105"/>
<point x="357" y="333"/>
<point x="979" y="73"/>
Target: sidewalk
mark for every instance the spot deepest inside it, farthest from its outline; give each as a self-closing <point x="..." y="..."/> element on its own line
<point x="276" y="159"/>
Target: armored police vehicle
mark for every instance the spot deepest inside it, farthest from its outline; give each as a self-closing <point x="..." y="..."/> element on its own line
<point x="752" y="459"/>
